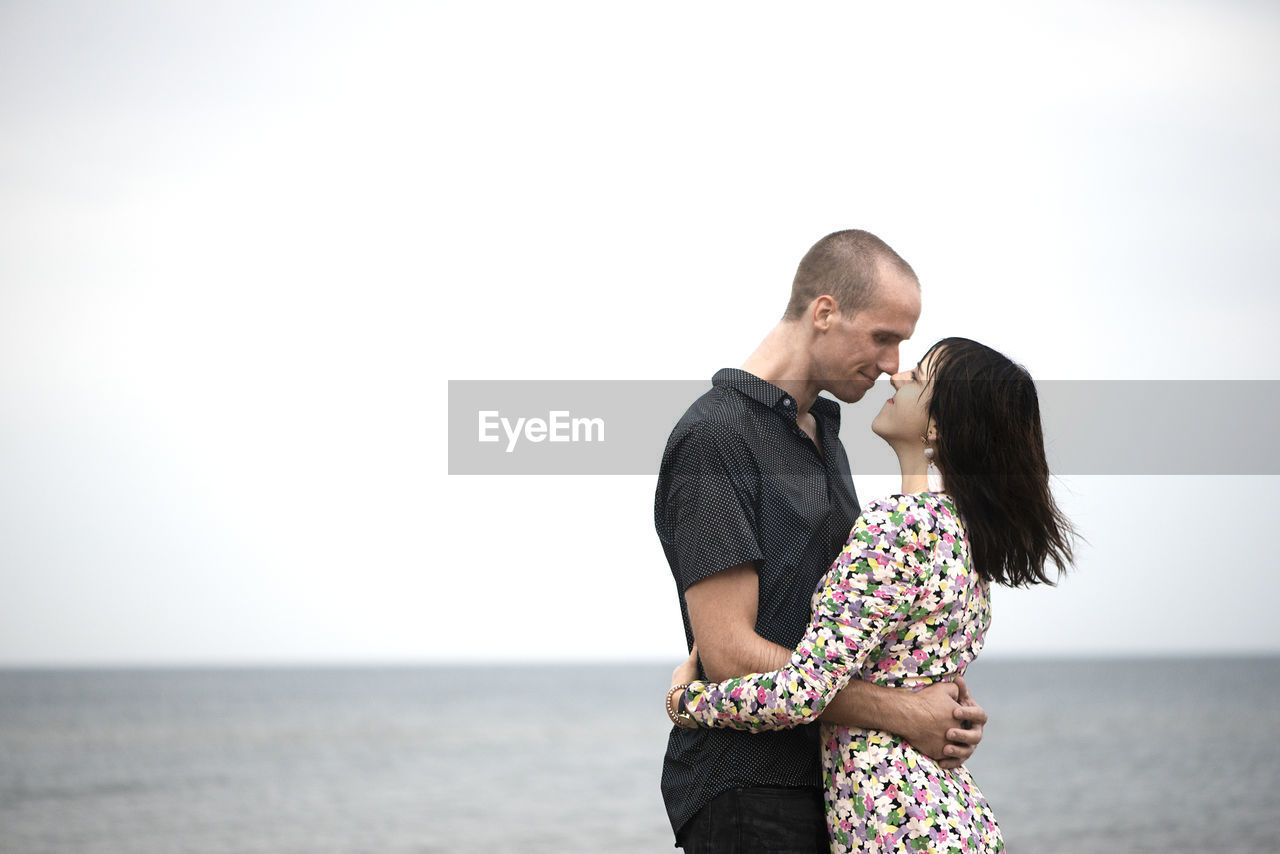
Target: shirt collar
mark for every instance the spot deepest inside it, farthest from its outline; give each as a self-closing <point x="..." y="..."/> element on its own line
<point x="771" y="396"/>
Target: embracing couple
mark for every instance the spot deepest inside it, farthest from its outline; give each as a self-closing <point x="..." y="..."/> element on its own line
<point x="822" y="706"/>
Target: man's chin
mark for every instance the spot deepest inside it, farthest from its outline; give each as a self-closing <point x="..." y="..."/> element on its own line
<point x="850" y="395"/>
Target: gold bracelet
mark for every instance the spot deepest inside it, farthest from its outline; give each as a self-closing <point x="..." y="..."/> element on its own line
<point x="684" y="720"/>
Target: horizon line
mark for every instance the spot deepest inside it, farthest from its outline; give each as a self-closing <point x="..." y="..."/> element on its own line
<point x="598" y="663"/>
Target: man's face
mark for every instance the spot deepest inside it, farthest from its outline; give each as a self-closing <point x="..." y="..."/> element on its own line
<point x="855" y="350"/>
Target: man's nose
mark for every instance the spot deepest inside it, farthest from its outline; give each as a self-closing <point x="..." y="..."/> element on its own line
<point x="889" y="363"/>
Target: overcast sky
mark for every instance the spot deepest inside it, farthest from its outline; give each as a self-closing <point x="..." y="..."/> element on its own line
<point x="243" y="248"/>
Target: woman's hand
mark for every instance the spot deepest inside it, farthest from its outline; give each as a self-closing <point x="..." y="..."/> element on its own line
<point x="688" y="670"/>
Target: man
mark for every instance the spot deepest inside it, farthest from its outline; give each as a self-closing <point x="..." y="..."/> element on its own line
<point x="754" y="501"/>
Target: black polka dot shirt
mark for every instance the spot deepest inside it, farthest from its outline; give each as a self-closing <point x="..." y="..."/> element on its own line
<point x="739" y="482"/>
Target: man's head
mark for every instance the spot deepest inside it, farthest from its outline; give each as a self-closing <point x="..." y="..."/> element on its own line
<point x="858" y="300"/>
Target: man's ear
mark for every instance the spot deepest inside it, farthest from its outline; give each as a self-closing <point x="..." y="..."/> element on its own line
<point x="823" y="311"/>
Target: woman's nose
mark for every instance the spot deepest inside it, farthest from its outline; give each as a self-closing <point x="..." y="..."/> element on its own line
<point x="896" y="381"/>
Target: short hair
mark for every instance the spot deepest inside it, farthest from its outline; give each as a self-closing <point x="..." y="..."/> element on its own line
<point x="845" y="265"/>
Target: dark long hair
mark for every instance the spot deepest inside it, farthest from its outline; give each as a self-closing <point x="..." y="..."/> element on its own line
<point x="990" y="450"/>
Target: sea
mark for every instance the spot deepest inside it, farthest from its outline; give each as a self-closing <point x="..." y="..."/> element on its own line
<point x="1080" y="756"/>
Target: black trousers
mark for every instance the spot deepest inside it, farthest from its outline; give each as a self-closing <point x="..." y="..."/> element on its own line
<point x="758" y="821"/>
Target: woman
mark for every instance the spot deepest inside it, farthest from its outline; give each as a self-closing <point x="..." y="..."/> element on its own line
<point x="906" y="603"/>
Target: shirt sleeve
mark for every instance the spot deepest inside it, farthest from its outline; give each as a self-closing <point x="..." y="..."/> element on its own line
<point x="712" y="503"/>
<point x="877" y="581"/>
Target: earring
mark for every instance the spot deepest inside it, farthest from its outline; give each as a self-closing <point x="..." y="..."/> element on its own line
<point x="932" y="473"/>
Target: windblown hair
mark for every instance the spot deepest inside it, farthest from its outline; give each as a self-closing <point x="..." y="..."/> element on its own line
<point x="990" y="450"/>
<point x="845" y="265"/>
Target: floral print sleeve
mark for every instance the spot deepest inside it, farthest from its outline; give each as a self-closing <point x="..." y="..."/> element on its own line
<point x="874" y="585"/>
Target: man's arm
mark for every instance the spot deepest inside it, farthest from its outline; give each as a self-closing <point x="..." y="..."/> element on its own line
<point x="722" y="612"/>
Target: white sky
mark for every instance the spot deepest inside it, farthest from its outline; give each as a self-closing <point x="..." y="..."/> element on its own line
<point x="243" y="248"/>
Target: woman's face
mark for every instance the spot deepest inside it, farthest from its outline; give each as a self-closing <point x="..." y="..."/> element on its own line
<point x="905" y="416"/>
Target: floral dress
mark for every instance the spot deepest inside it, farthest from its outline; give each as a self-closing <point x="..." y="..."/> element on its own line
<point x="901" y="606"/>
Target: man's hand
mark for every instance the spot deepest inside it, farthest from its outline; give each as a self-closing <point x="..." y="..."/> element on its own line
<point x="946" y="723"/>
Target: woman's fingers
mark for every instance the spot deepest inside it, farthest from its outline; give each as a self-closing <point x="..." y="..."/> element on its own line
<point x="688" y="669"/>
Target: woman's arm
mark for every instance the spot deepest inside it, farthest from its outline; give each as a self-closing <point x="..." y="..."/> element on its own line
<point x="875" y="583"/>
